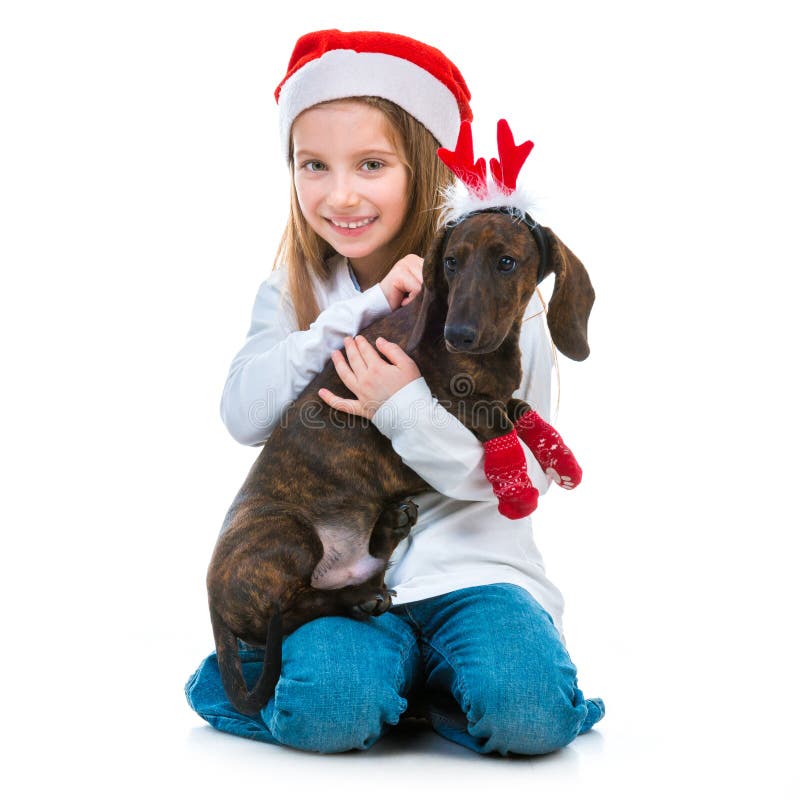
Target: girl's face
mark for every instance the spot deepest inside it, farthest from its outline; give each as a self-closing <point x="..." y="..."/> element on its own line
<point x="351" y="182"/>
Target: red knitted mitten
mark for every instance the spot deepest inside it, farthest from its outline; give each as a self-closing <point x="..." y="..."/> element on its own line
<point x="507" y="471"/>
<point x="554" y="457"/>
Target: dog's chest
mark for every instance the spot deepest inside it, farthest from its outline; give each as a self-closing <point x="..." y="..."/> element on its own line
<point x="460" y="382"/>
<point x="346" y="560"/>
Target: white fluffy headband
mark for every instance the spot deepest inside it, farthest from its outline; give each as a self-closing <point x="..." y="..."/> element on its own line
<point x="474" y="191"/>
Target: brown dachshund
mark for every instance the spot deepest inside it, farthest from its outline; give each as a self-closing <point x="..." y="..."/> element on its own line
<point x="327" y="500"/>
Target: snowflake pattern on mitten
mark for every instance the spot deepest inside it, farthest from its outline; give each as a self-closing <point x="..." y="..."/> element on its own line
<point x="547" y="446"/>
<point x="507" y="471"/>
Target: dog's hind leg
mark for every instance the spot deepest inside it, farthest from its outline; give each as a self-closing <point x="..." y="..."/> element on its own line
<point x="369" y="597"/>
<point x="393" y="525"/>
<point x="263" y="557"/>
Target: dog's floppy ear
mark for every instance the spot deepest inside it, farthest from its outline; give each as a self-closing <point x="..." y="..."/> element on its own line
<point x="434" y="291"/>
<point x="573" y="296"/>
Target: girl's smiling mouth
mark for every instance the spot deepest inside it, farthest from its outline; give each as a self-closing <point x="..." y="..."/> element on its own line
<point x="351" y="227"/>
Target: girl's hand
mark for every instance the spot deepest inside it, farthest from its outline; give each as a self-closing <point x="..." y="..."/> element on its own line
<point x="404" y="278"/>
<point x="371" y="379"/>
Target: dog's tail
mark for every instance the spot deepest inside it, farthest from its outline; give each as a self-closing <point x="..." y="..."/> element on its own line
<point x="247" y="701"/>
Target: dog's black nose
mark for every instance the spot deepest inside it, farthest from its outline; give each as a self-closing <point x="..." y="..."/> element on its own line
<point x="460" y="336"/>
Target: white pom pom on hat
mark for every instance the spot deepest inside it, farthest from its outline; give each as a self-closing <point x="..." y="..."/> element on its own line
<point x="333" y="64"/>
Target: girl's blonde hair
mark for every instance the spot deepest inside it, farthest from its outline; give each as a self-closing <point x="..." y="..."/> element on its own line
<point x="304" y="252"/>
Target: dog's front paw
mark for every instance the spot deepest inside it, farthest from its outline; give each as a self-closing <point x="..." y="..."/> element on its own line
<point x="564" y="481"/>
<point x="548" y="448"/>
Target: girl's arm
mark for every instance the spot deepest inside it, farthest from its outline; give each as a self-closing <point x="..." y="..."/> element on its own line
<point x="435" y="444"/>
<point x="277" y="362"/>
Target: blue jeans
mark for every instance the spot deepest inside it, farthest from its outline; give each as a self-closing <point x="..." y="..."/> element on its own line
<point x="485" y="663"/>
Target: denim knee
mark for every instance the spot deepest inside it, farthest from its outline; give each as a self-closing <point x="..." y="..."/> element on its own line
<point x="325" y="716"/>
<point x="533" y="718"/>
<point x="341" y="683"/>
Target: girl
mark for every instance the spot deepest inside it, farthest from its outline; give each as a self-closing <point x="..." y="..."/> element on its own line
<point x="474" y="637"/>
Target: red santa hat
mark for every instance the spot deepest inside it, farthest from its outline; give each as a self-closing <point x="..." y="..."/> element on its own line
<point x="332" y="64"/>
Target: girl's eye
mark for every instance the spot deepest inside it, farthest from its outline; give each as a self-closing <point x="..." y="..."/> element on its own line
<point x="506" y="264"/>
<point x="314" y="166"/>
<point x="372" y="165"/>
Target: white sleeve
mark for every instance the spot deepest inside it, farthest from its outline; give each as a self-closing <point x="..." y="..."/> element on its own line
<point x="277" y="361"/>
<point x="445" y="453"/>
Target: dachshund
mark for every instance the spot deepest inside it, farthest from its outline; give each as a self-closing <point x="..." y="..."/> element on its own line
<point x="311" y="531"/>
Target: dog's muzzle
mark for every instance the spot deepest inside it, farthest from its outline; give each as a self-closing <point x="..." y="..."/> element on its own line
<point x="460" y="337"/>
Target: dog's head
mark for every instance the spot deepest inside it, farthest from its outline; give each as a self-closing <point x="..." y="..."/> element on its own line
<point x="480" y="274"/>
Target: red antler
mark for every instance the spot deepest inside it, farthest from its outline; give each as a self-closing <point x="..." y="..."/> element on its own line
<point x="506" y="171"/>
<point x="460" y="161"/>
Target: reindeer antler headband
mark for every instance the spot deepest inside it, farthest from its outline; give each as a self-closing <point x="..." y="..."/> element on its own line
<point x="473" y="192"/>
<point x="501" y="192"/>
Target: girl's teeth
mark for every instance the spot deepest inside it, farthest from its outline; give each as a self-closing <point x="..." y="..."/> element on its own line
<point x="353" y="224"/>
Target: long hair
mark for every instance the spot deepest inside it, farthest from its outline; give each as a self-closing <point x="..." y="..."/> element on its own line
<point x="304" y="252"/>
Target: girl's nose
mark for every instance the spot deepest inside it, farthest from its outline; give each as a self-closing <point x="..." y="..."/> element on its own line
<point x="342" y="193"/>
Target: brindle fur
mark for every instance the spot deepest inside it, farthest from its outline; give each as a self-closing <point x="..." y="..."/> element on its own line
<point x="322" y="468"/>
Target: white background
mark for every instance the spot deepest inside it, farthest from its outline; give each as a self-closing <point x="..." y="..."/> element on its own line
<point x="142" y="195"/>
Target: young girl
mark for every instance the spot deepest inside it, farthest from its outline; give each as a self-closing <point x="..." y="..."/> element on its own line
<point x="474" y="636"/>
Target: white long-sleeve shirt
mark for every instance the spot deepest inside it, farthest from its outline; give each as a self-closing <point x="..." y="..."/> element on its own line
<point x="460" y="538"/>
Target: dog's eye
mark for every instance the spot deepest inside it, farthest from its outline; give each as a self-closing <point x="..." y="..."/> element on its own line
<point x="450" y="264"/>
<point x="506" y="264"/>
